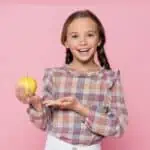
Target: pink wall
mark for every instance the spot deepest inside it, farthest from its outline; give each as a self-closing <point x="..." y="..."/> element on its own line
<point x="30" y="42"/>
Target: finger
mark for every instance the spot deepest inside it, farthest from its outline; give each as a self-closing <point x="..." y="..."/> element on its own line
<point x="60" y="99"/>
<point x="30" y="93"/>
<point x="69" y="97"/>
<point x="20" y="89"/>
<point x="35" y="99"/>
<point x="27" y="100"/>
<point x="23" y="99"/>
<point x="50" y="104"/>
<point x="32" y="100"/>
<point x="58" y="103"/>
<point x="20" y="95"/>
<point x="64" y="99"/>
<point x="20" y="92"/>
<point x="66" y="103"/>
<point x="53" y="103"/>
<point x="46" y="101"/>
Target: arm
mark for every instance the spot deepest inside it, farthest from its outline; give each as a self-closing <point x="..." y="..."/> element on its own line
<point x="41" y="117"/>
<point x="112" y="123"/>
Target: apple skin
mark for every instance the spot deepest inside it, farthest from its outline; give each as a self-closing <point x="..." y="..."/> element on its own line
<point x="29" y="84"/>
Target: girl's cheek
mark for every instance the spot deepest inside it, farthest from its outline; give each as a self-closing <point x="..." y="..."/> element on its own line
<point x="74" y="47"/>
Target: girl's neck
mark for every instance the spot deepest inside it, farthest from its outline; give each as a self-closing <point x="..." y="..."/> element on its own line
<point x="84" y="66"/>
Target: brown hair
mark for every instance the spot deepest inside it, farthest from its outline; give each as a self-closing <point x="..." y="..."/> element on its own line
<point x="102" y="58"/>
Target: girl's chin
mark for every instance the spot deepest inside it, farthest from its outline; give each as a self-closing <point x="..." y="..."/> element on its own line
<point x="85" y="59"/>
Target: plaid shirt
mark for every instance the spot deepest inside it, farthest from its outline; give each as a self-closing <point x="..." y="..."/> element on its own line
<point x="100" y="91"/>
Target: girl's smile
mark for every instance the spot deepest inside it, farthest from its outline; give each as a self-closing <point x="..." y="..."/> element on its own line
<point x="84" y="51"/>
<point x="82" y="39"/>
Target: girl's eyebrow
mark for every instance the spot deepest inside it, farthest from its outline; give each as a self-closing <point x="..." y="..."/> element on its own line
<point x="93" y="31"/>
<point x="73" y="33"/>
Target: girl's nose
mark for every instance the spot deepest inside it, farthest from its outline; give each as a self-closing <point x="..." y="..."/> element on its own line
<point x="83" y="41"/>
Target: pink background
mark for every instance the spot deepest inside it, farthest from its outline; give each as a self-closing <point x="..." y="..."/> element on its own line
<point x="30" y="42"/>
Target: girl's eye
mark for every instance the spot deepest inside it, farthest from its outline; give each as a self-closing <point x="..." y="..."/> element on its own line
<point x="90" y="35"/>
<point x="74" y="36"/>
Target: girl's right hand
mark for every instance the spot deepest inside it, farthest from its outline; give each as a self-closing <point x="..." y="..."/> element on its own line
<point x="31" y="99"/>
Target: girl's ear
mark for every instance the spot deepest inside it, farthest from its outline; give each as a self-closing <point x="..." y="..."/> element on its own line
<point x="66" y="44"/>
<point x="99" y="43"/>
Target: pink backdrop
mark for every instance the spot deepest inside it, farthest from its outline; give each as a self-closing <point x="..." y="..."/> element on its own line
<point x="30" y="42"/>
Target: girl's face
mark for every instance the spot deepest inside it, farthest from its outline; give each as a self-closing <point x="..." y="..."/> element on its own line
<point x="82" y="39"/>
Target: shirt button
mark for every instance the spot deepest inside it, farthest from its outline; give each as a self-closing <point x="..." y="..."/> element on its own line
<point x="74" y="148"/>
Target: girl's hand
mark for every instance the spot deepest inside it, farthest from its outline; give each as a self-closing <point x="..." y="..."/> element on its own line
<point x="54" y="103"/>
<point x="64" y="103"/>
<point x="20" y="95"/>
<point x="36" y="102"/>
<point x="70" y="103"/>
<point x="31" y="99"/>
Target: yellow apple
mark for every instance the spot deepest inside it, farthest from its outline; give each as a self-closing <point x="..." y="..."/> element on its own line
<point x="29" y="84"/>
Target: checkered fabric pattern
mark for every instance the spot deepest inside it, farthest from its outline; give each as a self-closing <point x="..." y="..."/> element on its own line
<point x="100" y="91"/>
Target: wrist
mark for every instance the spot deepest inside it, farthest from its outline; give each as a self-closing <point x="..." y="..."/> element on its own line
<point x="82" y="110"/>
<point x="37" y="107"/>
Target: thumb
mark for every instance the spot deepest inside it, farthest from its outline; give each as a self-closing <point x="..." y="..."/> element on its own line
<point x="34" y="99"/>
<point x="61" y="99"/>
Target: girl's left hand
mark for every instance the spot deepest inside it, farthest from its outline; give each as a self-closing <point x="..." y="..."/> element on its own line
<point x="70" y="103"/>
<point x="64" y="103"/>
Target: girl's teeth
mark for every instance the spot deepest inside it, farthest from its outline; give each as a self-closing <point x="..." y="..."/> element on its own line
<point x="83" y="50"/>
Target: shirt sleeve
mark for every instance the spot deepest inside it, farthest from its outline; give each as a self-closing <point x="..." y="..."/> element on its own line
<point x="41" y="119"/>
<point x="110" y="119"/>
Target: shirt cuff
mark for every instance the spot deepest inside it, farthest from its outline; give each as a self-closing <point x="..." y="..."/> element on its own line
<point x="96" y="110"/>
<point x="36" y="114"/>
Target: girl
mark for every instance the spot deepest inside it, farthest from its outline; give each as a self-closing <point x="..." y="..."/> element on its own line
<point x="82" y="101"/>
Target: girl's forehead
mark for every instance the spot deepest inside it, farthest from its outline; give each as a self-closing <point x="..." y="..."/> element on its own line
<point x="82" y="24"/>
